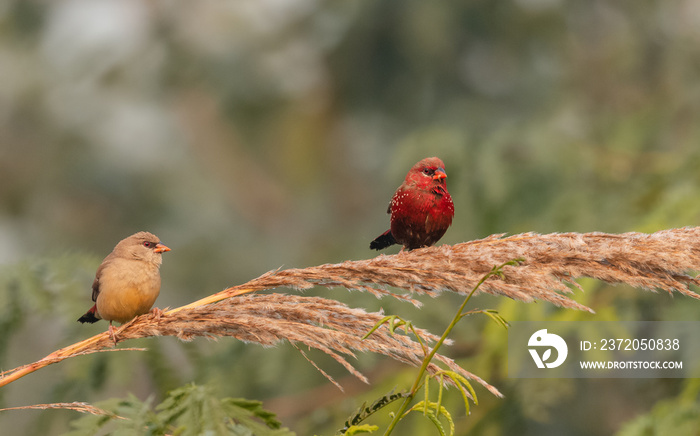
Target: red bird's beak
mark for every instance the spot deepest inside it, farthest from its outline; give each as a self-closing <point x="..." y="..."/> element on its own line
<point x="440" y="174"/>
<point x="160" y="248"/>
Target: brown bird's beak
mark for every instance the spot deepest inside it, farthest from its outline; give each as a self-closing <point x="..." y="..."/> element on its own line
<point x="160" y="248"/>
<point x="440" y="174"/>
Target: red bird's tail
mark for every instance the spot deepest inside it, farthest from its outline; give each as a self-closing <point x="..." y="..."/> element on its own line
<point x="382" y="241"/>
<point x="90" y="316"/>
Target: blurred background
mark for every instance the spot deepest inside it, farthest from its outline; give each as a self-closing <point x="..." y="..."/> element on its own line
<point x="251" y="135"/>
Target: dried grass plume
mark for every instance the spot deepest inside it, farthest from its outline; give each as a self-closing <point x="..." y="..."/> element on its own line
<point x="550" y="264"/>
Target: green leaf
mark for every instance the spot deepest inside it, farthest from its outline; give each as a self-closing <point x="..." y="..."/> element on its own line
<point x="432" y="411"/>
<point x="393" y="320"/>
<point x="494" y="315"/>
<point x="364" y="428"/>
<point x="364" y="411"/>
<point x="462" y="381"/>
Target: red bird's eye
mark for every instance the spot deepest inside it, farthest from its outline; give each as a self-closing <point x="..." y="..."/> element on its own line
<point x="148" y="244"/>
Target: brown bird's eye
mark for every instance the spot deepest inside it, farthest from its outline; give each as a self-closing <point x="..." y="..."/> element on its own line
<point x="148" y="244"/>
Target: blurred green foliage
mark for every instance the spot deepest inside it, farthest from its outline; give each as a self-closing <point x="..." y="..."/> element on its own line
<point x="187" y="411"/>
<point x="679" y="416"/>
<point x="251" y="135"/>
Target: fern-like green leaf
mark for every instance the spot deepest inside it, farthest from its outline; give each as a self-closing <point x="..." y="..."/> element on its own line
<point x="431" y="410"/>
<point x="187" y="411"/>
<point x="364" y="428"/>
<point x="366" y="411"/>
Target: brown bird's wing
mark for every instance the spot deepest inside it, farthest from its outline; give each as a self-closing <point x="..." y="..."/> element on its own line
<point x="91" y="315"/>
<point x="95" y="289"/>
<point x="98" y="274"/>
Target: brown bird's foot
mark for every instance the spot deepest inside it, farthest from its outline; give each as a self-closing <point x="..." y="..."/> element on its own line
<point x="112" y="334"/>
<point x="156" y="313"/>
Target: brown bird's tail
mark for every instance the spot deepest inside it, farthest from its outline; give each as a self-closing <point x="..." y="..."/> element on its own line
<point x="382" y="241"/>
<point x="90" y="316"/>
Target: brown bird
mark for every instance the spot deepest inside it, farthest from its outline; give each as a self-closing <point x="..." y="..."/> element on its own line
<point x="421" y="209"/>
<point x="127" y="281"/>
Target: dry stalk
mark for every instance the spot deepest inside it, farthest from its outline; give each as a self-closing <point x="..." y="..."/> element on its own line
<point x="652" y="261"/>
<point x="77" y="406"/>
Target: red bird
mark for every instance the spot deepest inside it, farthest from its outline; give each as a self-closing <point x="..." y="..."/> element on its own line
<point x="421" y="210"/>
